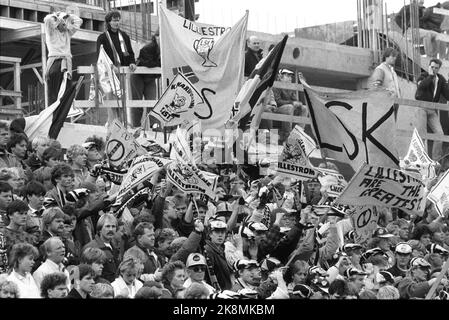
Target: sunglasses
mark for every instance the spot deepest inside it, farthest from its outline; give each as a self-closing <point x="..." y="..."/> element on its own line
<point x="199" y="268"/>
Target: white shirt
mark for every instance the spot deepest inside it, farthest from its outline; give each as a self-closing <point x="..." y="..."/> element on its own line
<point x="119" y="285"/>
<point x="189" y="281"/>
<point x="49" y="267"/>
<point x="27" y="286"/>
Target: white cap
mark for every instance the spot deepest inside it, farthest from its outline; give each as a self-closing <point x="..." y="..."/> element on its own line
<point x="195" y="259"/>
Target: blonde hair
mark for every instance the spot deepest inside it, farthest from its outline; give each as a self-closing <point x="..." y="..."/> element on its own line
<point x="75" y="150"/>
<point x="388" y="293"/>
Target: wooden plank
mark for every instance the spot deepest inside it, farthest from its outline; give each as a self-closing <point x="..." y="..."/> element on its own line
<point x="12" y="60"/>
<point x="422" y="104"/>
<point x="84" y="104"/>
<point x="441" y="11"/>
<point x="126" y="70"/>
<point x="25" y="67"/>
<point x="10" y="93"/>
<point x="20" y="34"/>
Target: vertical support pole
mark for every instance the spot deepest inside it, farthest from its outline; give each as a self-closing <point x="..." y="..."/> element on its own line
<point x="143" y="11"/>
<point x="44" y="65"/>
<point x="17" y="84"/>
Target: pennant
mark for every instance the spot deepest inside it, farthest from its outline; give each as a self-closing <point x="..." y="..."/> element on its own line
<point x="439" y="195"/>
<point x="142" y="169"/>
<point x="212" y="55"/>
<point x="189" y="179"/>
<point x="49" y="121"/>
<point x="108" y="80"/>
<point x="356" y="127"/>
<point x="121" y="145"/>
<point x="178" y="102"/>
<point x="417" y="161"/>
<point x="293" y="162"/>
<point x="262" y="78"/>
<point x="384" y="187"/>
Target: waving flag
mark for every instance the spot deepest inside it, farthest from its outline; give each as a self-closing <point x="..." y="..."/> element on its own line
<point x="211" y="57"/>
<point x="109" y="81"/>
<point x="262" y="78"/>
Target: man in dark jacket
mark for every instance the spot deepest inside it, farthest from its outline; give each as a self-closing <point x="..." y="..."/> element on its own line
<point x="431" y="85"/>
<point x="253" y="55"/>
<point x="144" y="85"/>
<point x="104" y="240"/>
<point x="117" y="45"/>
<point x="214" y="252"/>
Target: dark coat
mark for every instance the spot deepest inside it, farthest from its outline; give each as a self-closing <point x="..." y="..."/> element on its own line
<point x="426" y="87"/>
<point x="251" y="60"/>
<point x="111" y="263"/>
<point x="103" y="40"/>
<point x="221" y="269"/>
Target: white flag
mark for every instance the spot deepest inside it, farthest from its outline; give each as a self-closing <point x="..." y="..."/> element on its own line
<point x="440" y="194"/>
<point x="109" y="81"/>
<point x="211" y="57"/>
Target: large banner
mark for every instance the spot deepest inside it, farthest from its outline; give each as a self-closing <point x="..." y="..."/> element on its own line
<point x="440" y="194"/>
<point x="384" y="187"/>
<point x="190" y="179"/>
<point x="293" y="162"/>
<point x="121" y="145"/>
<point x="211" y="57"/>
<point x="417" y="161"/>
<point x="356" y="127"/>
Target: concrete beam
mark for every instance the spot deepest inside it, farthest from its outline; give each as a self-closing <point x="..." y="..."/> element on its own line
<point x="19" y="34"/>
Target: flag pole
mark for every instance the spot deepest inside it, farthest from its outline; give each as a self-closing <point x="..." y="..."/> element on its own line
<point x="437" y="282"/>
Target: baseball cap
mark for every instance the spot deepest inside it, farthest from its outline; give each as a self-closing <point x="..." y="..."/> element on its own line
<point x="217" y="225"/>
<point x="284" y="70"/>
<point x="257" y="226"/>
<point x="352" y="246"/>
<point x="302" y="291"/>
<point x="403" y="247"/>
<point x="195" y="259"/>
<point x="382" y="233"/>
<point x="354" y="272"/>
<point x="270" y="263"/>
<point x="316" y="270"/>
<point x="77" y="194"/>
<point x="384" y="276"/>
<point x="245" y="264"/>
<point x="419" y="262"/>
<point x="436" y="248"/>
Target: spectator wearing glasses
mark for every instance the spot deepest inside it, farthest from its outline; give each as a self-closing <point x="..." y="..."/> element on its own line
<point x="196" y="271"/>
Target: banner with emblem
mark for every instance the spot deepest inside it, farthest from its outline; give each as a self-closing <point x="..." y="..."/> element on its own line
<point x="331" y="181"/>
<point x="142" y="169"/>
<point x="189" y="179"/>
<point x="121" y="145"/>
<point x="439" y="195"/>
<point x="417" y="161"/>
<point x="384" y="187"/>
<point x="212" y="56"/>
<point x="178" y="102"/>
<point x="355" y="127"/>
<point x="364" y="221"/>
<point x="293" y="162"/>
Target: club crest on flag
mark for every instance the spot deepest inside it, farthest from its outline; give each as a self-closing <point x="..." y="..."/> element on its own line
<point x="203" y="47"/>
<point x="178" y="102"/>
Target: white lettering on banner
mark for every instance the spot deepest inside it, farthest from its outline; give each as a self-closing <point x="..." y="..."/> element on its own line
<point x="440" y="194"/>
<point x="387" y="187"/>
<point x="121" y="146"/>
<point x="364" y="220"/>
<point x="355" y="127"/>
<point x="212" y="55"/>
